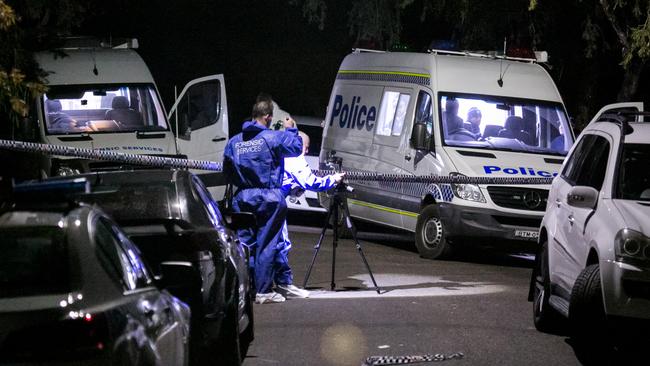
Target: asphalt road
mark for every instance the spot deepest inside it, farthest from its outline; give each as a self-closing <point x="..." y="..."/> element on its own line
<point x="475" y="304"/>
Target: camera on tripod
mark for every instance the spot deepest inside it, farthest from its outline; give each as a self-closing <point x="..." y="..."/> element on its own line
<point x="336" y="163"/>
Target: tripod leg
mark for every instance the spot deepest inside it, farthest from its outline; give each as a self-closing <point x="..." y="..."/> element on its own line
<point x="348" y="223"/>
<point x="335" y="240"/>
<point x="317" y="247"/>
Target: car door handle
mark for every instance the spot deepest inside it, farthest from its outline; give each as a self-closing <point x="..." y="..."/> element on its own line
<point x="218" y="139"/>
<point x="407" y="157"/>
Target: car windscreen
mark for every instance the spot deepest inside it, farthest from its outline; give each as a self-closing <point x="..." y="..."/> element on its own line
<point x="103" y="108"/>
<point x="33" y="262"/>
<point x="633" y="173"/>
<point x="501" y="123"/>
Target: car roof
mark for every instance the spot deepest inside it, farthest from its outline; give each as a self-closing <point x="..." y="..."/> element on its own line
<point x="640" y="133"/>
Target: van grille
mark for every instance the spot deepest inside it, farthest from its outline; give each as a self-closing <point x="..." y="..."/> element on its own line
<point x="519" y="198"/>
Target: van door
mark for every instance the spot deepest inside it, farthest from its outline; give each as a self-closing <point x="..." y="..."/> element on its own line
<point x="618" y="107"/>
<point x="200" y="123"/>
<point x="388" y="151"/>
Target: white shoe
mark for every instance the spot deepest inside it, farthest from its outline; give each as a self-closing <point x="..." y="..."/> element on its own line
<point x="287" y="290"/>
<point x="269" y="298"/>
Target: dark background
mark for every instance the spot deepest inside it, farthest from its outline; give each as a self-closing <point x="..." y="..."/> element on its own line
<point x="268" y="45"/>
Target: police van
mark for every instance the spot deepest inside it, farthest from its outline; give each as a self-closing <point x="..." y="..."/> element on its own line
<point x="102" y="96"/>
<point x="447" y="113"/>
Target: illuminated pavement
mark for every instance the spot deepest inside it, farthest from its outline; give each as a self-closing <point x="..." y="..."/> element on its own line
<point x="475" y="305"/>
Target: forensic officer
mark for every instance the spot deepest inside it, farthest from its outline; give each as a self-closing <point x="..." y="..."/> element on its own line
<point x="298" y="177"/>
<point x="254" y="162"/>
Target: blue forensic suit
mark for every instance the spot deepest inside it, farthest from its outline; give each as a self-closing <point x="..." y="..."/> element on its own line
<point x="298" y="177"/>
<point x="254" y="161"/>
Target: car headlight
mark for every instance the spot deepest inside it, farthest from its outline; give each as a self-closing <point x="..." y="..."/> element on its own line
<point x="632" y="246"/>
<point x="67" y="171"/>
<point x="468" y="192"/>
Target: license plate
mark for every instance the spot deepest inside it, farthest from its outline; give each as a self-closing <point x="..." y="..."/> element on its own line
<point x="528" y="234"/>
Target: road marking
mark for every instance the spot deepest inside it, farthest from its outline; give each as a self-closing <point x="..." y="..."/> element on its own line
<point x="404" y="285"/>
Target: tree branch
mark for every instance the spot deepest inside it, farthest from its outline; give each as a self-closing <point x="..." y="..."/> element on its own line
<point x="622" y="36"/>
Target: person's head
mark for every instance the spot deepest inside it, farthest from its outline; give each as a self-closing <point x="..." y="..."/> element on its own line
<point x="263" y="111"/>
<point x="305" y="142"/>
<point x="474" y="116"/>
<point x="451" y="107"/>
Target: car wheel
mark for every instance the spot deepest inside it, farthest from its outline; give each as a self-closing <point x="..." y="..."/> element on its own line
<point x="546" y="318"/>
<point x="586" y="310"/>
<point x="229" y="341"/>
<point x="430" y="239"/>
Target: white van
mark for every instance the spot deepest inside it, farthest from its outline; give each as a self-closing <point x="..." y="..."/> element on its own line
<point x="104" y="97"/>
<point x="407" y="113"/>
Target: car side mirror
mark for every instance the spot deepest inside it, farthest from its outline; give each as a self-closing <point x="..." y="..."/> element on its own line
<point x="181" y="279"/>
<point x="582" y="197"/>
<point x="242" y="220"/>
<point x="419" y="137"/>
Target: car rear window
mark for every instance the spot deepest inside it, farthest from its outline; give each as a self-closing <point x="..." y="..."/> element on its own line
<point x="33" y="262"/>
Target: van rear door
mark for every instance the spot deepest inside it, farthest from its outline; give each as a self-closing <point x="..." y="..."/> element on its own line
<point x="199" y="120"/>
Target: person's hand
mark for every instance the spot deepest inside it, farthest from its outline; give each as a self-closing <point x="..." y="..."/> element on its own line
<point x="338" y="177"/>
<point x="289" y="123"/>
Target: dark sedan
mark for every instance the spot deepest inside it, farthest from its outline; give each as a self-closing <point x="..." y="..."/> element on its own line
<point x="171" y="216"/>
<point x="74" y="290"/>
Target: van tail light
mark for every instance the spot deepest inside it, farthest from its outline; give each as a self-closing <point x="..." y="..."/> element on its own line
<point x="84" y="337"/>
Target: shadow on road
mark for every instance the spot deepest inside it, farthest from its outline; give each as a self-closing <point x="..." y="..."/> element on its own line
<point x="509" y="254"/>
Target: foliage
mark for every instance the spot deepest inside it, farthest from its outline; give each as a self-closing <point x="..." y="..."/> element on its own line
<point x="27" y="26"/>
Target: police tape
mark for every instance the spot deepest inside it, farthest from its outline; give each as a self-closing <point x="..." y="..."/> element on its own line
<point x="404" y="360"/>
<point x="351" y="176"/>
<point x="98" y="154"/>
<point x="358" y="176"/>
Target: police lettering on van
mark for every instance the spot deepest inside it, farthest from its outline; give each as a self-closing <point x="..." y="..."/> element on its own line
<point x="489" y="169"/>
<point x="354" y="114"/>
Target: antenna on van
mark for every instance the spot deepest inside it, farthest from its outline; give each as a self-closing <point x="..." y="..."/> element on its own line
<point x="500" y="79"/>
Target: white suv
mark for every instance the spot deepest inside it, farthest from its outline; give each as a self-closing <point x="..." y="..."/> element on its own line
<point x="594" y="261"/>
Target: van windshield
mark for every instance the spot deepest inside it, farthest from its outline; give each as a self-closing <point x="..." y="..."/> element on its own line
<point x="102" y="108"/>
<point x="500" y="123"/>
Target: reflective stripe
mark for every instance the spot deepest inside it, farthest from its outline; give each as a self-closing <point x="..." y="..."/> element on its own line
<point x="383" y="208"/>
<point x="389" y="76"/>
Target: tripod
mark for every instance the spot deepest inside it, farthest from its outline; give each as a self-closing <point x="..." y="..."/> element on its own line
<point x="337" y="202"/>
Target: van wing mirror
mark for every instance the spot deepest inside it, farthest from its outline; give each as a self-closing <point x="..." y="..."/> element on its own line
<point x="242" y="220"/>
<point x="582" y="197"/>
<point x="420" y="137"/>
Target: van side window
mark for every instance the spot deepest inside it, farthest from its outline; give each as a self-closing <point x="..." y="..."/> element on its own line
<point x="392" y="113"/>
<point x="201" y="106"/>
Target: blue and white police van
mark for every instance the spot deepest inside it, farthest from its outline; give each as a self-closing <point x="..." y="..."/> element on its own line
<point x="416" y="114"/>
<point x="102" y="96"/>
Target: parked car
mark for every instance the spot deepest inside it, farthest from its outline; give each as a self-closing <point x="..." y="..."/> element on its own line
<point x="75" y="290"/>
<point x="594" y="263"/>
<point x="171" y="217"/>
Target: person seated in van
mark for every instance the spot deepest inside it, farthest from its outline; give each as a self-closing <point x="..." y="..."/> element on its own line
<point x="58" y="120"/>
<point x="512" y="129"/>
<point x="123" y="113"/>
<point x="473" y="123"/>
<point x="450" y="119"/>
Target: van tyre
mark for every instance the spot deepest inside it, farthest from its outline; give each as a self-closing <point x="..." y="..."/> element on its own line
<point x="545" y="317"/>
<point x="430" y="239"/>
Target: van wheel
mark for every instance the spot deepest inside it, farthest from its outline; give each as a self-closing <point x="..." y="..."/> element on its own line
<point x="430" y="237"/>
<point x="546" y="318"/>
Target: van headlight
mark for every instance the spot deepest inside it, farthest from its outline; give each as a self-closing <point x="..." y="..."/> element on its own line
<point x="468" y="192"/>
<point x="632" y="246"/>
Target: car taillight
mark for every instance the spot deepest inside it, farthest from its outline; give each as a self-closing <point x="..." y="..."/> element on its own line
<point x="81" y="338"/>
